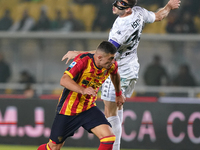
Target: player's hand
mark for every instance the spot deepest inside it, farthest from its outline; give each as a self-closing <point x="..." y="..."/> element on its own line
<point x="69" y="55"/>
<point x="174" y="4"/>
<point x="120" y="100"/>
<point x="90" y="91"/>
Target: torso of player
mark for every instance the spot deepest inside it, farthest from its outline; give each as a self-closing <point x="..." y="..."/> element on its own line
<point x="72" y="103"/>
<point x="126" y="31"/>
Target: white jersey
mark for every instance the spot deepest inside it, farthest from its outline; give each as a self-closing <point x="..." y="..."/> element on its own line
<point x="125" y="35"/>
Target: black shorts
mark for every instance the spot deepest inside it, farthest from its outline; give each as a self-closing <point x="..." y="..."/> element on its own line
<point x="64" y="126"/>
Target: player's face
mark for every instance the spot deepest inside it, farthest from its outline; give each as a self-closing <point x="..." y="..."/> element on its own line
<point x="107" y="61"/>
<point x="119" y="7"/>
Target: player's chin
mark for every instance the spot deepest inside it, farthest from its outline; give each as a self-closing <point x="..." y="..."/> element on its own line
<point x="114" y="12"/>
<point x="108" y="66"/>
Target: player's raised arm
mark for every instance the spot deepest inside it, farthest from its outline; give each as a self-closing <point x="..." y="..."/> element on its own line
<point x="163" y="12"/>
<point x="72" y="54"/>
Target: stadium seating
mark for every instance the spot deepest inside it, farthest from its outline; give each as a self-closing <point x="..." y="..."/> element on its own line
<point x="86" y="12"/>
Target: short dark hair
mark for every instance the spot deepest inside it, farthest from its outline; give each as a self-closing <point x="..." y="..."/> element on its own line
<point x="132" y="3"/>
<point x="107" y="47"/>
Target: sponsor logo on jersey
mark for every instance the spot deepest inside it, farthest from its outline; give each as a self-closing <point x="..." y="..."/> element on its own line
<point x="119" y="32"/>
<point x="72" y="64"/>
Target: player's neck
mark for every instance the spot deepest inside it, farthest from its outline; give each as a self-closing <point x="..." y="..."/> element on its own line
<point x="96" y="62"/>
<point x="125" y="14"/>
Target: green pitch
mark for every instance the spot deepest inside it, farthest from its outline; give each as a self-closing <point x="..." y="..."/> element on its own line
<point x="17" y="147"/>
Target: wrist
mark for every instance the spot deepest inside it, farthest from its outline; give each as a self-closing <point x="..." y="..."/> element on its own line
<point x="168" y="6"/>
<point x="82" y="91"/>
<point x="118" y="93"/>
<point x="75" y="52"/>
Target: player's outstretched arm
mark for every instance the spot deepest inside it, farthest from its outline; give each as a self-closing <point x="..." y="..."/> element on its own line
<point x="72" y="54"/>
<point x="163" y="12"/>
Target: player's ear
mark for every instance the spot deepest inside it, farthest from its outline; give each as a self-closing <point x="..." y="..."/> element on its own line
<point x="99" y="57"/>
<point x="128" y="10"/>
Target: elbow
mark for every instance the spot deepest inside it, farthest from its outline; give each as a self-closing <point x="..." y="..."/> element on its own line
<point x="159" y="18"/>
<point x="62" y="81"/>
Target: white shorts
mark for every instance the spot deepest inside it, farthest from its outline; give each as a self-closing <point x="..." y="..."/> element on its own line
<point x="108" y="89"/>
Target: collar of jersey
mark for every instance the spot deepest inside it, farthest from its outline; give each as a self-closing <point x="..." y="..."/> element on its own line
<point x="95" y="63"/>
<point x="128" y="15"/>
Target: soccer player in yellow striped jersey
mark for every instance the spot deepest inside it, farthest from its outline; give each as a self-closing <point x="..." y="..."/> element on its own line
<point x="85" y="73"/>
<point x="77" y="107"/>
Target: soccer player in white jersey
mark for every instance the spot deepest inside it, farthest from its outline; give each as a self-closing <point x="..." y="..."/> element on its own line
<point x="125" y="35"/>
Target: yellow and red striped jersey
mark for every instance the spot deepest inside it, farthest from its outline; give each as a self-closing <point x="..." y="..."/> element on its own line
<point x="85" y="73"/>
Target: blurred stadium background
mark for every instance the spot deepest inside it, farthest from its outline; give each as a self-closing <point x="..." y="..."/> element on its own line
<point x="33" y="50"/>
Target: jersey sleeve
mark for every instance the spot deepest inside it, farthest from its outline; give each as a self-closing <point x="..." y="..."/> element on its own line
<point x="77" y="66"/>
<point x="149" y="16"/>
<point x="115" y="34"/>
<point x="117" y="37"/>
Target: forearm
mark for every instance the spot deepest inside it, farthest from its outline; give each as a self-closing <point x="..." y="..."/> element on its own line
<point x="116" y="81"/>
<point x="70" y="84"/>
<point x="120" y="98"/>
<point x="162" y="13"/>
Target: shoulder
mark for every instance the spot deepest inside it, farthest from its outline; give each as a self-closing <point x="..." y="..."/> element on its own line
<point x="149" y="16"/>
<point x="135" y="8"/>
<point x="138" y="9"/>
<point x="84" y="56"/>
<point x="80" y="62"/>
